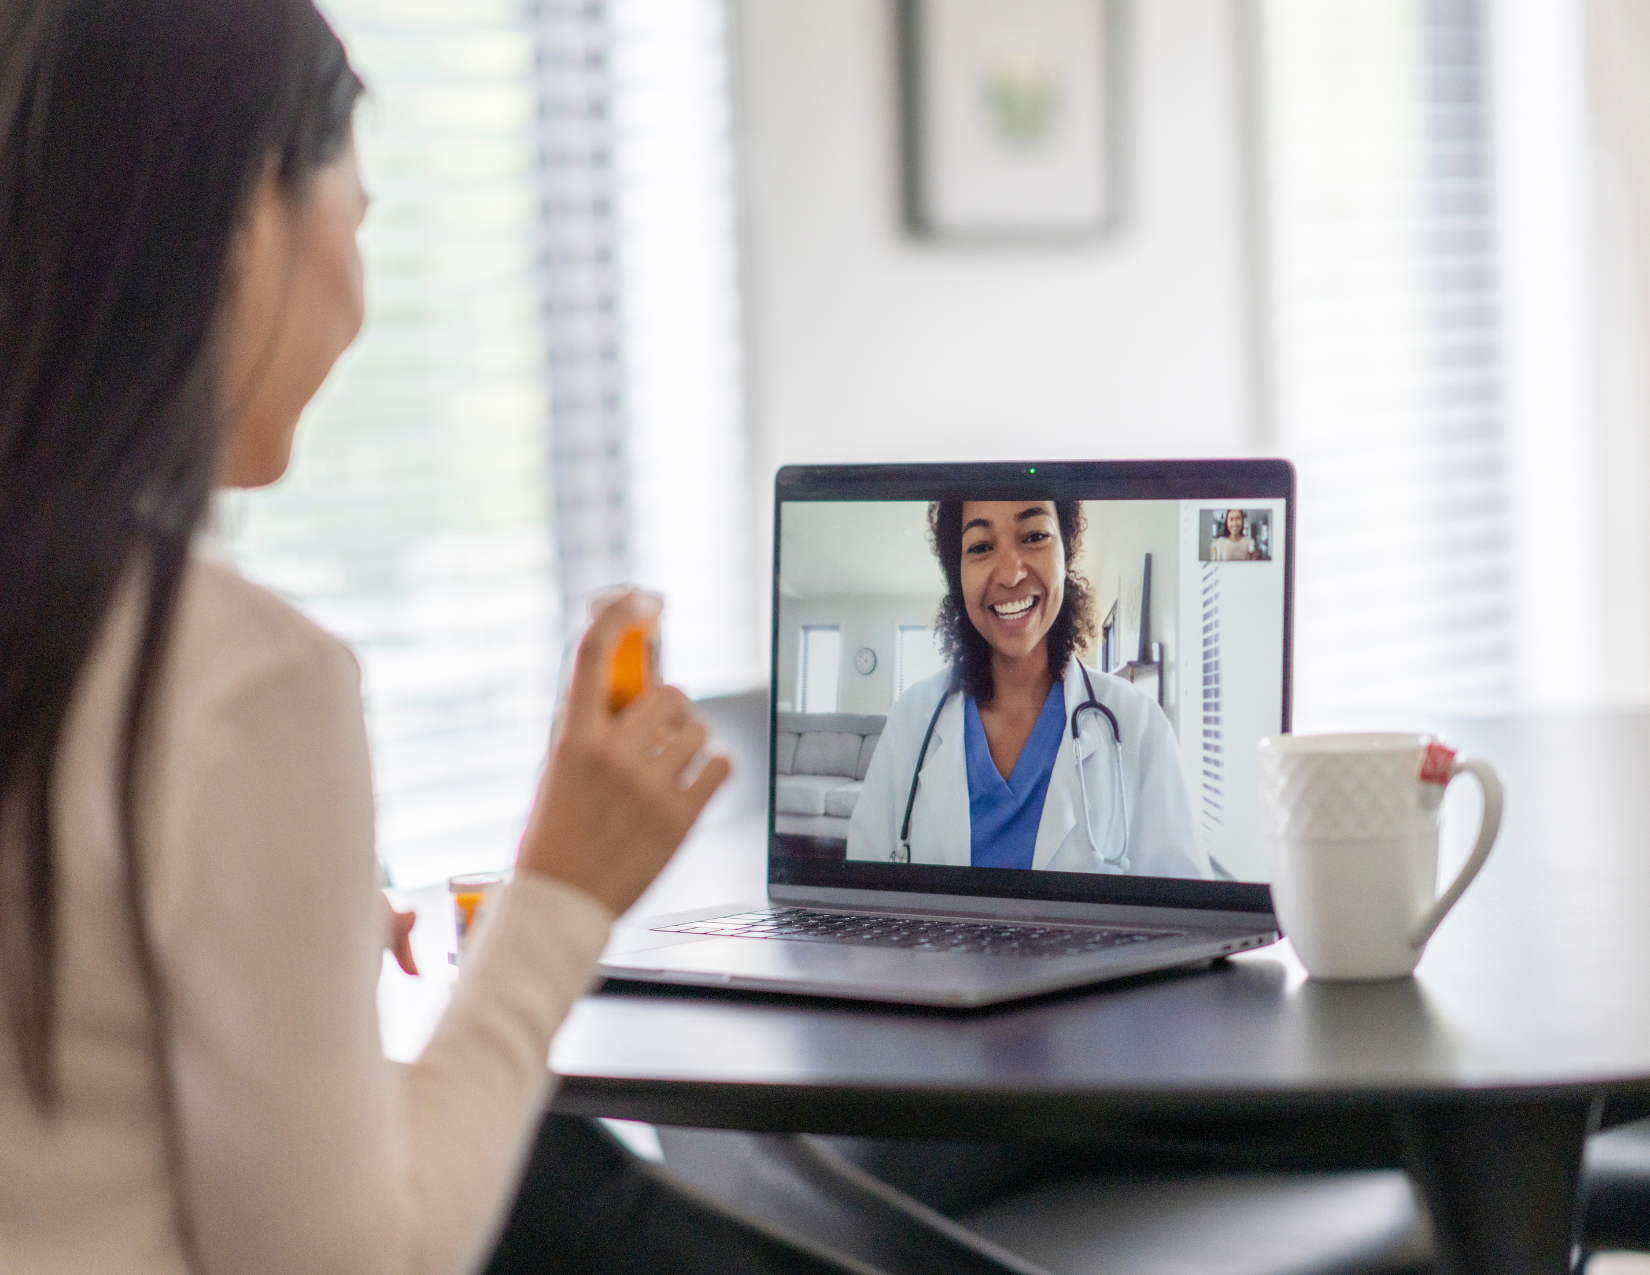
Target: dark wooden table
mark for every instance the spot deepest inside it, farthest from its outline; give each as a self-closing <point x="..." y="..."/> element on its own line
<point x="1526" y="1026"/>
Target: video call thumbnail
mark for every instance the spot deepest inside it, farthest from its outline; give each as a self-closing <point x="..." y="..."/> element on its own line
<point x="1234" y="535"/>
<point x="1159" y="624"/>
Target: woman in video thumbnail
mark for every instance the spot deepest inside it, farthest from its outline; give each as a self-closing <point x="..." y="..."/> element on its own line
<point x="1234" y="543"/>
<point x="1018" y="755"/>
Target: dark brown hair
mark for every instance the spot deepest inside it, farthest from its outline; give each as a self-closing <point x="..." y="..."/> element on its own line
<point x="132" y="134"/>
<point x="967" y="651"/>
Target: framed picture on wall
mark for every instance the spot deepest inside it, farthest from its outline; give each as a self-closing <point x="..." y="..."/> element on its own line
<point x="1008" y="114"/>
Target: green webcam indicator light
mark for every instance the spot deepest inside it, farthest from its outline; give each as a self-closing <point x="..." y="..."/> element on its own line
<point x="1034" y="469"/>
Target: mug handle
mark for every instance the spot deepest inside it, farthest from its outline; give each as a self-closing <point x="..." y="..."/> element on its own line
<point x="1490" y="780"/>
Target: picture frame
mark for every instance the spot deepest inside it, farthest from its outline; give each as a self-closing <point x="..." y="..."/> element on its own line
<point x="1010" y="112"/>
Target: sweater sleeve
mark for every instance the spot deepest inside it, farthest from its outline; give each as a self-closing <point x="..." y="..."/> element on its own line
<point x="303" y="1148"/>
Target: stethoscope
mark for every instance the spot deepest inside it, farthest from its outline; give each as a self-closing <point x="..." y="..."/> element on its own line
<point x="902" y="852"/>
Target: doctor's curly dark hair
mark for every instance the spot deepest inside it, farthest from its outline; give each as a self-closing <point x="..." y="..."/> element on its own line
<point x="967" y="651"/>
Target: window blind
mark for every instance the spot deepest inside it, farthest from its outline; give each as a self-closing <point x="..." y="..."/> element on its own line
<point x="691" y="518"/>
<point x="490" y="449"/>
<point x="1209" y="787"/>
<point x="1386" y="347"/>
<point x="640" y="260"/>
<point x="577" y="256"/>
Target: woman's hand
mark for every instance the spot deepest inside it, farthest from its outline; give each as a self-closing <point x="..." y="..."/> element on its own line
<point x="616" y="799"/>
<point x="398" y="928"/>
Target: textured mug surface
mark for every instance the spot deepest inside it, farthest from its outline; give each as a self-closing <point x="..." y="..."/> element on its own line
<point x="1352" y="836"/>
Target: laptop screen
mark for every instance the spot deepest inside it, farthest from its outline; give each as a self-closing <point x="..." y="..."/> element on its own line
<point x="1038" y="680"/>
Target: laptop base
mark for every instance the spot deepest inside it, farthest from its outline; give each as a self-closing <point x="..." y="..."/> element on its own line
<point x="644" y="951"/>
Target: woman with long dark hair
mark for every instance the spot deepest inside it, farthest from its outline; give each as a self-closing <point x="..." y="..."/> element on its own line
<point x="1231" y="541"/>
<point x="1018" y="755"/>
<point x="190" y="933"/>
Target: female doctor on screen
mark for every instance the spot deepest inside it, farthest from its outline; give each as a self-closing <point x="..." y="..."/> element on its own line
<point x="1017" y="755"/>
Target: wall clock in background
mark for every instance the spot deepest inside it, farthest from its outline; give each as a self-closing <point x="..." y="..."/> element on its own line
<point x="865" y="660"/>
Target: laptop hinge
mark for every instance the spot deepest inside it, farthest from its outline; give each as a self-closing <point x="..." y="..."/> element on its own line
<point x="997" y="909"/>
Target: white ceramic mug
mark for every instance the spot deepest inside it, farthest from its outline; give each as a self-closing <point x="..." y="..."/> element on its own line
<point x="1352" y="833"/>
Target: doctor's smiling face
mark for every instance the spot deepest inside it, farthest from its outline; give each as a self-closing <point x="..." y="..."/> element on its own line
<point x="1013" y="573"/>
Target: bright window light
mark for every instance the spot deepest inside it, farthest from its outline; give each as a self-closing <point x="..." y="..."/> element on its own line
<point x="820" y="668"/>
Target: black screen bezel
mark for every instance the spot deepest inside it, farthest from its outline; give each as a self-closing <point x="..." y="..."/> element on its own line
<point x="1212" y="480"/>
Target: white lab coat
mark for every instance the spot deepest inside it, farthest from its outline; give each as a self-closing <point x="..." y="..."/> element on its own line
<point x="1161" y="840"/>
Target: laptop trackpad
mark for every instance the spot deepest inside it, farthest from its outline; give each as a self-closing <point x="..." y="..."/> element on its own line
<point x="625" y="940"/>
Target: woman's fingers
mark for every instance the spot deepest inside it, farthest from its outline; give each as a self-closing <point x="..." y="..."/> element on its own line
<point x="682" y="748"/>
<point x="401" y="928"/>
<point x="615" y="800"/>
<point x="587" y="695"/>
<point x="663" y="729"/>
<point x="653" y="716"/>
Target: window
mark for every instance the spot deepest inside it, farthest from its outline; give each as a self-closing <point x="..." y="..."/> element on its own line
<point x="690" y="507"/>
<point x="641" y="302"/>
<point x="1386" y="327"/>
<point x="545" y="394"/>
<point x="916" y="656"/>
<point x="416" y="522"/>
<point x="819" y="669"/>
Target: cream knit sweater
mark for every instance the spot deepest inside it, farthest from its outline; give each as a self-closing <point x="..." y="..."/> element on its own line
<point x="305" y="1150"/>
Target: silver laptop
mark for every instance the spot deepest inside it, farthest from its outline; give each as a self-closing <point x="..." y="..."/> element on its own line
<point x="1013" y="724"/>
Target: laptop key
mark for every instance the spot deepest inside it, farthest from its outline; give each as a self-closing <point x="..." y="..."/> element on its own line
<point x="997" y="938"/>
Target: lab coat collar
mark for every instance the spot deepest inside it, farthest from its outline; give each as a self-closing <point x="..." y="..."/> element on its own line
<point x="942" y="798"/>
<point x="1063" y="806"/>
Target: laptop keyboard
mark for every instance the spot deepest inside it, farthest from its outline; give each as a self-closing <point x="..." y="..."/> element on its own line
<point x="920" y="934"/>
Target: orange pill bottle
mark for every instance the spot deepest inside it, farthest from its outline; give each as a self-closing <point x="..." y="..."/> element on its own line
<point x="635" y="665"/>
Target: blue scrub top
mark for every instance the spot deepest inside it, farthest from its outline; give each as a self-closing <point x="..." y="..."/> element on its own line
<point x="1003" y="813"/>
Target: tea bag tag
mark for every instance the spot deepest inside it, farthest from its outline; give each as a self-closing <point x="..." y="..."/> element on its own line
<point x="1437" y="764"/>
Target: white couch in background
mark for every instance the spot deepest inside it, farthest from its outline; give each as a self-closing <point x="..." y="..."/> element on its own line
<point x="820" y="761"/>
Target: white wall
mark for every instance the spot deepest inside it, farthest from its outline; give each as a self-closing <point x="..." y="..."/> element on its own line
<point x="1120" y="534"/>
<point x="1550" y="326"/>
<point x="865" y="567"/>
<point x="865" y="621"/>
<point x="1618" y="42"/>
<point x="866" y="344"/>
<point x="1573" y="181"/>
<point x="1573" y="161"/>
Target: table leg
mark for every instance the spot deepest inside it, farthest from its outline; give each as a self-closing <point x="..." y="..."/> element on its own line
<point x="1501" y="1180"/>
